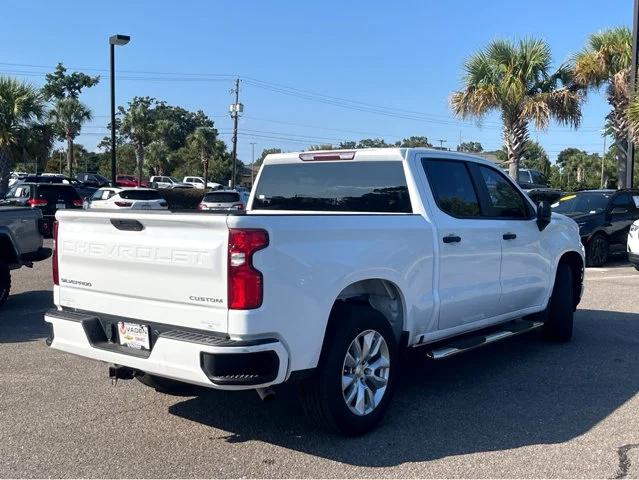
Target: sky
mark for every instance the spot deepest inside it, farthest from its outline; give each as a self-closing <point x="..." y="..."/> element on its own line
<point x="311" y="71"/>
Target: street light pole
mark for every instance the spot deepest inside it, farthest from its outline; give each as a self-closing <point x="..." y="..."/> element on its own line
<point x="630" y="159"/>
<point x="603" y="158"/>
<point x="113" y="41"/>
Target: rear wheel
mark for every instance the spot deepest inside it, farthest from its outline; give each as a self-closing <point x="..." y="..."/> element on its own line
<point x="352" y="387"/>
<point x="597" y="251"/>
<point x="168" y="386"/>
<point x="5" y="283"/>
<point x="560" y="313"/>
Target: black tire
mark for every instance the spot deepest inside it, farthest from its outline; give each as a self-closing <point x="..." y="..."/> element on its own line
<point x="5" y="283"/>
<point x="560" y="313"/>
<point x="597" y="251"/>
<point x="321" y="394"/>
<point x="168" y="386"/>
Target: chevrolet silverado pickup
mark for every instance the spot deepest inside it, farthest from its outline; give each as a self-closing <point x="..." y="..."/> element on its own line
<point x="21" y="232"/>
<point x="342" y="260"/>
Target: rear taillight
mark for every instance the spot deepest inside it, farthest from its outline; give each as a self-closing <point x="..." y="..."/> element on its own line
<point x="244" y="281"/>
<point x="123" y="204"/>
<point x="238" y="206"/>
<point x="54" y="261"/>
<point x="78" y="203"/>
<point x="37" y="202"/>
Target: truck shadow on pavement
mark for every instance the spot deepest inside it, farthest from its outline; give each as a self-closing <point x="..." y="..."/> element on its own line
<point x="22" y="317"/>
<point x="521" y="392"/>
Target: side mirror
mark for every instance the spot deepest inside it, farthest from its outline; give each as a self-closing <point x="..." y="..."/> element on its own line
<point x="618" y="211"/>
<point x="543" y="215"/>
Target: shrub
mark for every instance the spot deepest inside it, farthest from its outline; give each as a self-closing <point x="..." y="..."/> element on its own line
<point x="182" y="198"/>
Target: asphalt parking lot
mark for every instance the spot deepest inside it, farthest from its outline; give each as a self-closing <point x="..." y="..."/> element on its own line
<point x="520" y="408"/>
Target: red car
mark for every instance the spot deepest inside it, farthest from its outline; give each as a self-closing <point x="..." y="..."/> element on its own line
<point x="129" y="181"/>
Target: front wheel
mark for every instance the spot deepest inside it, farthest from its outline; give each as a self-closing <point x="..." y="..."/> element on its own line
<point x="560" y="313"/>
<point x="5" y="282"/>
<point x="354" y="382"/>
<point x="597" y="251"/>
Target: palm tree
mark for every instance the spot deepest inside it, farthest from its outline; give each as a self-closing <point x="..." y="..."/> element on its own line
<point x="139" y="126"/>
<point x="203" y="139"/>
<point x="606" y="60"/>
<point x="21" y="109"/>
<point x="68" y="116"/>
<point x="515" y="80"/>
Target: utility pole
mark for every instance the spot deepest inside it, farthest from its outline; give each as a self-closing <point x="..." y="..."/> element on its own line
<point x="441" y="143"/>
<point x="235" y="109"/>
<point x="630" y="159"/>
<point x="252" y="161"/>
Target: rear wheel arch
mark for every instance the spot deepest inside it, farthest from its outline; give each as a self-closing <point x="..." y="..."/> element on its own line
<point x="8" y="252"/>
<point x="380" y="294"/>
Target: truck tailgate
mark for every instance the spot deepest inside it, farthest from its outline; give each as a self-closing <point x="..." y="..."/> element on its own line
<point x="157" y="266"/>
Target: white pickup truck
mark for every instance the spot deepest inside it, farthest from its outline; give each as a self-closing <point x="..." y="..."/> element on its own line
<point x="342" y="260"/>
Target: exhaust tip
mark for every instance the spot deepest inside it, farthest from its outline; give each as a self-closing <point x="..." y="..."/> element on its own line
<point x="266" y="394"/>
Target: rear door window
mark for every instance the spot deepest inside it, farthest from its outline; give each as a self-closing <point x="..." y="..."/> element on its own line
<point x="368" y="186"/>
<point x="140" y="195"/>
<point x="452" y="187"/>
<point x="53" y="193"/>
<point x="222" y="197"/>
<point x="624" y="200"/>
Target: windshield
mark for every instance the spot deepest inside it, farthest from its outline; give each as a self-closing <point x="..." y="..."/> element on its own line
<point x="586" y="202"/>
<point x="174" y="180"/>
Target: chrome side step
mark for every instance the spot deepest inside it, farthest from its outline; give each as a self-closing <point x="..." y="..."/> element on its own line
<point x="463" y="344"/>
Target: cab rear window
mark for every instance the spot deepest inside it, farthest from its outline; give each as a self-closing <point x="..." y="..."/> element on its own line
<point x="373" y="186"/>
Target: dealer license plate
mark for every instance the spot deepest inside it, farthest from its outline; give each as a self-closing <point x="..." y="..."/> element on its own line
<point x="134" y="335"/>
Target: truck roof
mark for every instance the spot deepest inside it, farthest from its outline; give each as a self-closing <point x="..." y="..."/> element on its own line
<point x="367" y="154"/>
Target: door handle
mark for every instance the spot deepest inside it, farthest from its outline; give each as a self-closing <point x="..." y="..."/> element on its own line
<point x="451" y="239"/>
<point x="509" y="236"/>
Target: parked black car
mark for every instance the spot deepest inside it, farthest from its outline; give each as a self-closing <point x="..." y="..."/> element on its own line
<point x="93" y="180"/>
<point x="85" y="190"/>
<point x="48" y="197"/>
<point x="604" y="218"/>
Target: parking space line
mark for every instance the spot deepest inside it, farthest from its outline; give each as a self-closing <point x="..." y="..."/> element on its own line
<point x="612" y="277"/>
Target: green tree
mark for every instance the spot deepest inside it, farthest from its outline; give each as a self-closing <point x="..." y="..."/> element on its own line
<point x="516" y="80"/>
<point x="565" y="154"/>
<point x="203" y="139"/>
<point x="347" y="145"/>
<point x="266" y="152"/>
<point x="535" y="157"/>
<point x="21" y="112"/>
<point x="67" y="118"/>
<point x="61" y="85"/>
<point x="605" y="61"/>
<point x="138" y="126"/>
<point x="470" y="147"/>
<point x="372" y="143"/>
<point x="413" y="142"/>
<point x="323" y="146"/>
